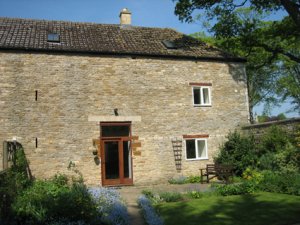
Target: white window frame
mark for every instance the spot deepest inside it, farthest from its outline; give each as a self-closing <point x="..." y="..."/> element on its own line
<point x="196" y="149"/>
<point x="202" y="96"/>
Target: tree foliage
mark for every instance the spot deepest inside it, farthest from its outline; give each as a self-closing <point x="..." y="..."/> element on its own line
<point x="223" y="8"/>
<point x="276" y="150"/>
<point x="238" y="152"/>
<point x="272" y="48"/>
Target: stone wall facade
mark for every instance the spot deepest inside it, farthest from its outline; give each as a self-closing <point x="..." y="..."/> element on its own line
<point x="53" y="104"/>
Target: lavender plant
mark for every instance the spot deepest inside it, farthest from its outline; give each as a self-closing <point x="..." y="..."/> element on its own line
<point x="178" y="180"/>
<point x="110" y="206"/>
<point x="149" y="213"/>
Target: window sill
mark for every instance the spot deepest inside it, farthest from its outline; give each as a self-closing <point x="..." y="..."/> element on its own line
<point x="197" y="159"/>
<point x="202" y="106"/>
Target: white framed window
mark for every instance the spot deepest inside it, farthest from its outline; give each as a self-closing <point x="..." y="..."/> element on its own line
<point x="202" y="96"/>
<point x="196" y="149"/>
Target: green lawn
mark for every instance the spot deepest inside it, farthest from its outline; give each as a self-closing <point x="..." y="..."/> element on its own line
<point x="257" y="209"/>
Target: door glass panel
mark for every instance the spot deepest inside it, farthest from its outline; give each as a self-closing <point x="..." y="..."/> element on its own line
<point x="127" y="159"/>
<point x="111" y="160"/>
<point x="115" y="131"/>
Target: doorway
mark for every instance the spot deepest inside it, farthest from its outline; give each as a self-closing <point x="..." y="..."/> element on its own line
<point x="116" y="156"/>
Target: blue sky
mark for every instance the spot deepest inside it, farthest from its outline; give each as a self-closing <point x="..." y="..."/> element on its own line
<point x="150" y="13"/>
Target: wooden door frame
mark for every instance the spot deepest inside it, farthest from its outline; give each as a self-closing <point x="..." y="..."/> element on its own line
<point x="122" y="180"/>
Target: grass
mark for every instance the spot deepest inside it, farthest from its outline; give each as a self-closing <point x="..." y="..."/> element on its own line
<point x="256" y="209"/>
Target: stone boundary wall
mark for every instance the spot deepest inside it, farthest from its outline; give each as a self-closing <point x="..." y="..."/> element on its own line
<point x="290" y="125"/>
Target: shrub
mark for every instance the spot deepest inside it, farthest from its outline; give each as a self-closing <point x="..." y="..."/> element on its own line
<point x="278" y="151"/>
<point x="252" y="175"/>
<point x="148" y="211"/>
<point x="297" y="136"/>
<point x="193" y="179"/>
<point x="195" y="194"/>
<point x="170" y="196"/>
<point x="51" y="200"/>
<point x="249" y="184"/>
<point x="281" y="182"/>
<point x="267" y="161"/>
<point x="237" y="151"/>
<point x="287" y="160"/>
<point x="12" y="182"/>
<point x="19" y="171"/>
<point x="273" y="140"/>
<point x="246" y="187"/>
<point x="236" y="179"/>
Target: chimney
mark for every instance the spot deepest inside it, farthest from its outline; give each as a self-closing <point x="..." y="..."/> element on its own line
<point x="125" y="17"/>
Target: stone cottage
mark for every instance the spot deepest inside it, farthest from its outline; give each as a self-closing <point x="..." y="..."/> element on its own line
<point x="127" y="105"/>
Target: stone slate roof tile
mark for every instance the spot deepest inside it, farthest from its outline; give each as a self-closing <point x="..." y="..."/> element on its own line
<point x="29" y="34"/>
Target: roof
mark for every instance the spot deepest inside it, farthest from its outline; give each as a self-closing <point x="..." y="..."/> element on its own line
<point x="77" y="37"/>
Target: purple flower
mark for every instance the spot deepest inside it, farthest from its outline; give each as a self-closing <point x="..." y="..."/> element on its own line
<point x="150" y="215"/>
<point x="110" y="206"/>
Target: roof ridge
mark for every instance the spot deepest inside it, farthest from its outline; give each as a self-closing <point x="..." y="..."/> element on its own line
<point x="87" y="23"/>
<point x="90" y="37"/>
<point x="47" y="20"/>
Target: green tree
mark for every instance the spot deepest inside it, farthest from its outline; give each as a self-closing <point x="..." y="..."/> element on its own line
<point x="289" y="85"/>
<point x="238" y="151"/>
<point x="270" y="47"/>
<point x="223" y="8"/>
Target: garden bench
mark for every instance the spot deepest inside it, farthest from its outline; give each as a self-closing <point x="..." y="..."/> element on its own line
<point x="222" y="172"/>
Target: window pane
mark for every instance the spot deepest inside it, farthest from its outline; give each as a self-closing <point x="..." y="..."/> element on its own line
<point x="201" y="149"/>
<point x="111" y="160"/>
<point x="190" y="149"/>
<point x="196" y="96"/>
<point x="127" y="159"/>
<point x="53" y="37"/>
<point x="115" y="131"/>
<point x="205" y="94"/>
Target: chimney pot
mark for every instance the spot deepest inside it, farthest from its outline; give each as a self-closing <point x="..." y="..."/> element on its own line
<point x="125" y="17"/>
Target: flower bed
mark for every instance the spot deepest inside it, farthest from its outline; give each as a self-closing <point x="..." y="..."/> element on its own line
<point x="149" y="213"/>
<point x="110" y="206"/>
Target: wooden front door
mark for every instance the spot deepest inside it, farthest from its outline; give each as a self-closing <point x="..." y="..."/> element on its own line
<point x="116" y="160"/>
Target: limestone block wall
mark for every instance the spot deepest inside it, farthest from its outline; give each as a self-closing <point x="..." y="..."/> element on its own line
<point x="291" y="126"/>
<point x="47" y="102"/>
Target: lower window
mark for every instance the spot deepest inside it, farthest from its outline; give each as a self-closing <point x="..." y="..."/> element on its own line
<point x="196" y="148"/>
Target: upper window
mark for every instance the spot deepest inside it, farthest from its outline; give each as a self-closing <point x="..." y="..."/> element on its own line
<point x="201" y="96"/>
<point x="196" y="149"/>
<point x="169" y="44"/>
<point x="53" y="37"/>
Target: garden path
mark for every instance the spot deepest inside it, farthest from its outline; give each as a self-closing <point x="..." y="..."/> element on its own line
<point x="131" y="193"/>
